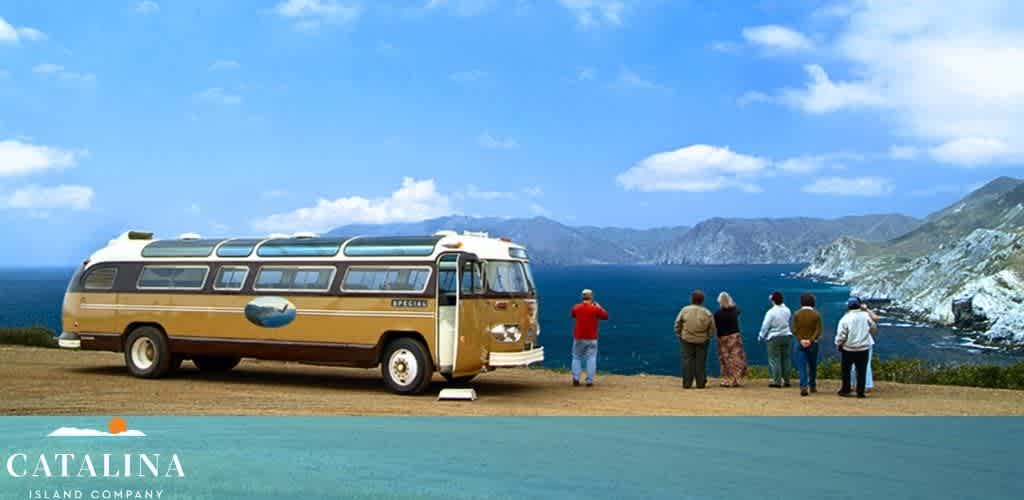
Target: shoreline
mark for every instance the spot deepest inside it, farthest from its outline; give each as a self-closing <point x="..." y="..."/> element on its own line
<point x="59" y="382"/>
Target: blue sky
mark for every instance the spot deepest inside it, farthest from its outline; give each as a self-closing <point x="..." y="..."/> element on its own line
<point x="245" y="118"/>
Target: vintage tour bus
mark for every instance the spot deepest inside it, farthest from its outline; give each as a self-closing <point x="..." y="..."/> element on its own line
<point x="455" y="304"/>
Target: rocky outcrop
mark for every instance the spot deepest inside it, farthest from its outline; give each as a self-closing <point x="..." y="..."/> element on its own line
<point x="950" y="271"/>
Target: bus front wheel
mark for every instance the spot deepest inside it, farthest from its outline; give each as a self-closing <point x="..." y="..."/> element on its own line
<point x="147" y="354"/>
<point x="215" y="364"/>
<point x="406" y="366"/>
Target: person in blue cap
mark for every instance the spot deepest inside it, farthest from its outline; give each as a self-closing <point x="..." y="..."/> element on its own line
<point x="853" y="338"/>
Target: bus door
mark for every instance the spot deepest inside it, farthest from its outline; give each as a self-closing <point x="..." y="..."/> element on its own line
<point x="447" y="312"/>
<point x="453" y="316"/>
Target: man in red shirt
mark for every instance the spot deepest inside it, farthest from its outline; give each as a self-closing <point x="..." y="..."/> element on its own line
<point x="584" y="344"/>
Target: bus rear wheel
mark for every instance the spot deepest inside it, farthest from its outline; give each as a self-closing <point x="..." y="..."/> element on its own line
<point x="215" y="364"/>
<point x="147" y="354"/>
<point x="406" y="366"/>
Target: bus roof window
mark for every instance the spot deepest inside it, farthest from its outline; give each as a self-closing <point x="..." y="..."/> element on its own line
<point x="392" y="246"/>
<point x="180" y="248"/>
<point x="237" y="248"/>
<point x="301" y="247"/>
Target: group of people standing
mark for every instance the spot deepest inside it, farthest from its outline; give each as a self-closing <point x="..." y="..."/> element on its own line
<point x="695" y="326"/>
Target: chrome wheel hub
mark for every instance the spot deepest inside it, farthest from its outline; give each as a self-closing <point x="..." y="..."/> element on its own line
<point x="143" y="353"/>
<point x="403" y="367"/>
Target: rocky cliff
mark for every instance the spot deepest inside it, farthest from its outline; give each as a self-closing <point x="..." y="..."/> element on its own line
<point x="963" y="268"/>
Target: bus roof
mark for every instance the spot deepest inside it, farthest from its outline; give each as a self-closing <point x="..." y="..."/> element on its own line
<point x="140" y="246"/>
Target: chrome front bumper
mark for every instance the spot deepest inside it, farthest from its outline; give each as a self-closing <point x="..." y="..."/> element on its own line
<point x="523" y="358"/>
<point x="69" y="341"/>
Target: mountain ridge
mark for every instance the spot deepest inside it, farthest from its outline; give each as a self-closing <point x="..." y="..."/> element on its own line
<point x="731" y="240"/>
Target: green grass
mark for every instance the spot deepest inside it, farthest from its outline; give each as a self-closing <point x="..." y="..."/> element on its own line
<point x="35" y="336"/>
<point x="916" y="371"/>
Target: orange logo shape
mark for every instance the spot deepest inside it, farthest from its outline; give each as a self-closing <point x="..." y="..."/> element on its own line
<point x="117" y="425"/>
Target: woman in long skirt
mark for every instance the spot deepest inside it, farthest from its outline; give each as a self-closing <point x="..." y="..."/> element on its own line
<point x="731" y="356"/>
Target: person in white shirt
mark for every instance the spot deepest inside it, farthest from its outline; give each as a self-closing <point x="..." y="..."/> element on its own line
<point x="776" y="333"/>
<point x="853" y="338"/>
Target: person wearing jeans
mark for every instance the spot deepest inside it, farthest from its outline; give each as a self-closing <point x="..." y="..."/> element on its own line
<point x="807" y="328"/>
<point x="584" y="352"/>
<point x="776" y="333"/>
<point x="694" y="327"/>
<point x="853" y="338"/>
<point x="584" y="344"/>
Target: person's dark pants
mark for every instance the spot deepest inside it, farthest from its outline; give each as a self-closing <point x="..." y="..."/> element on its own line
<point x="849" y="360"/>
<point x="807" y="365"/>
<point x="695" y="358"/>
<point x="779" y="349"/>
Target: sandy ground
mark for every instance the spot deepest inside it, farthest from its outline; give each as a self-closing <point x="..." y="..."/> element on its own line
<point x="58" y="382"/>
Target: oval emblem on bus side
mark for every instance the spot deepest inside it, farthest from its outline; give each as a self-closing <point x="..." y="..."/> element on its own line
<point x="270" y="312"/>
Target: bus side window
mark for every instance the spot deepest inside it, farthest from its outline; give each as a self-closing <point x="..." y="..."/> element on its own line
<point x="101" y="278"/>
<point x="472" y="279"/>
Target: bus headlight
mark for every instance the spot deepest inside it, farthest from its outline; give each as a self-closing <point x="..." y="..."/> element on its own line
<point x="506" y="333"/>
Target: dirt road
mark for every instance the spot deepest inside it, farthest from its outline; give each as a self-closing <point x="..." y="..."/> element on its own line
<point x="55" y="382"/>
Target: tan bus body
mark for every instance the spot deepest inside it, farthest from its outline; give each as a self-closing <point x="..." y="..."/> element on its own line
<point x="448" y="303"/>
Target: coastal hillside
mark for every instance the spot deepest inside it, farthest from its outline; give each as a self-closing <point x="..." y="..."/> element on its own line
<point x="548" y="241"/>
<point x="775" y="241"/>
<point x="963" y="267"/>
<point x="715" y="241"/>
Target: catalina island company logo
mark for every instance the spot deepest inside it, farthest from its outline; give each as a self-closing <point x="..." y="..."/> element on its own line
<point x="131" y="467"/>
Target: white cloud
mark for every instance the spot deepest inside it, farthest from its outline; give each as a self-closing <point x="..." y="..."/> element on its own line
<point x="13" y="34"/>
<point x="47" y="68"/>
<point x="415" y="200"/>
<point x="473" y="192"/>
<point x="147" y="7"/>
<point x="974" y="151"/>
<point x="898" y="152"/>
<point x="777" y="38"/>
<point x="49" y="197"/>
<point x="725" y="47"/>
<point x="753" y="97"/>
<point x="219" y="96"/>
<point x="594" y="13"/>
<point x="630" y="79"/>
<point x="464" y="8"/>
<point x="695" y="168"/>
<point x="58" y="71"/>
<point x="946" y="73"/>
<point x="856" y="186"/>
<point x="812" y="163"/>
<point x="310" y="15"/>
<point x="488" y="141"/>
<point x="467" y="76"/>
<point x="20" y="158"/>
<point x="539" y="209"/>
<point x="224" y="65"/>
<point x="822" y="95"/>
<point x="586" y="74"/>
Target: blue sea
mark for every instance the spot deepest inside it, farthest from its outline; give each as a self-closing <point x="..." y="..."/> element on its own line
<point x="642" y="300"/>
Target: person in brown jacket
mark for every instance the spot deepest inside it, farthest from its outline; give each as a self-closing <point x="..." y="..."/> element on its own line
<point x="694" y="327"/>
<point x="807" y="328"/>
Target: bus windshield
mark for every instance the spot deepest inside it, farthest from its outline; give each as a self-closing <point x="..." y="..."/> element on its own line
<point x="505" y="276"/>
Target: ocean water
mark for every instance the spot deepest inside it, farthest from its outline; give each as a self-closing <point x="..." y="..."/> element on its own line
<point x="642" y="301"/>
